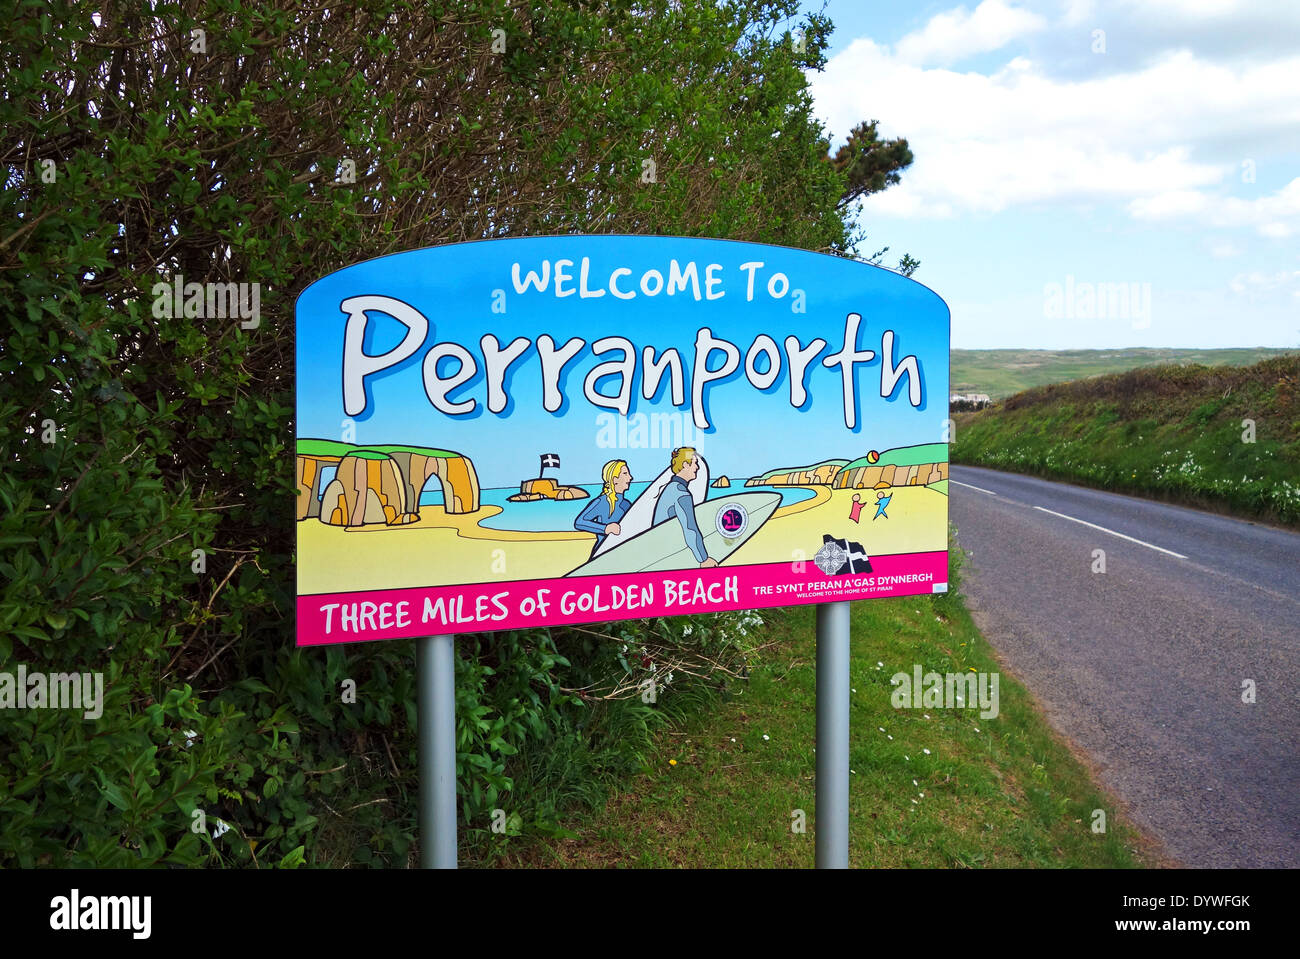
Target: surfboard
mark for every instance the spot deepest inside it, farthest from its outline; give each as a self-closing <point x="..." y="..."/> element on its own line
<point x="640" y="515"/>
<point x="664" y="546"/>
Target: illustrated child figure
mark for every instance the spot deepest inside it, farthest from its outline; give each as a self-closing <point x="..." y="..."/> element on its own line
<point x="675" y="502"/>
<point x="602" y="514"/>
<point x="882" y="501"/>
<point x="855" y="510"/>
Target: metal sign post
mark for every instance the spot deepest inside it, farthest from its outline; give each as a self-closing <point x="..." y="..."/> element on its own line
<point x="832" y="825"/>
<point x="436" y="674"/>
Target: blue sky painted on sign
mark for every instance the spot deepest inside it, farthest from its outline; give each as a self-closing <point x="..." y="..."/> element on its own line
<point x="1161" y="156"/>
<point x="750" y="431"/>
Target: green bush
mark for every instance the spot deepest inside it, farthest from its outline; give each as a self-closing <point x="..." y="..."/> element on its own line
<point x="207" y="141"/>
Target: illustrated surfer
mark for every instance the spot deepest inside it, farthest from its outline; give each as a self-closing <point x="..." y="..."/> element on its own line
<point x="672" y="524"/>
<point x="601" y="516"/>
<point x="675" y="502"/>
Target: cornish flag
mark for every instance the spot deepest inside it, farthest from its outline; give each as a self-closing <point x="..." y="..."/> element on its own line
<point x="838" y="557"/>
<point x="550" y="459"/>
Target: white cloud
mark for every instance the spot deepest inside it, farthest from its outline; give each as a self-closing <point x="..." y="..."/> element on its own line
<point x="1155" y="137"/>
<point x="1259" y="282"/>
<point x="1186" y="9"/>
<point x="1078" y="11"/>
<point x="948" y="37"/>
<point x="1275" y="215"/>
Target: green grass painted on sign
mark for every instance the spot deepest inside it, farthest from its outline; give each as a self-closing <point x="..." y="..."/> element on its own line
<point x="314" y="447"/>
<point x="906" y="456"/>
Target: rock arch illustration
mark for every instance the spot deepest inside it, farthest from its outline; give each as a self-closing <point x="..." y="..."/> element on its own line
<point x="378" y="485"/>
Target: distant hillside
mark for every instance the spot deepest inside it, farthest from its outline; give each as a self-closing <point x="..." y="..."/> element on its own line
<point x="1224" y="437"/>
<point x="1000" y="373"/>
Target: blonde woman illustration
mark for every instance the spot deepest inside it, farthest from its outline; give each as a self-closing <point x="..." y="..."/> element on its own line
<point x="602" y="514"/>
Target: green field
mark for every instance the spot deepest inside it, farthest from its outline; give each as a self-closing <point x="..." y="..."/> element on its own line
<point x="1221" y="437"/>
<point x="1000" y="373"/>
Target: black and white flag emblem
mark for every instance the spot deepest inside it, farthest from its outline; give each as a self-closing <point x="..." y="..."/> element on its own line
<point x="838" y="557"/>
<point x="551" y="459"/>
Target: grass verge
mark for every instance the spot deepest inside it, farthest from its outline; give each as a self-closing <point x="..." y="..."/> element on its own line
<point x="929" y="787"/>
<point x="1225" y="438"/>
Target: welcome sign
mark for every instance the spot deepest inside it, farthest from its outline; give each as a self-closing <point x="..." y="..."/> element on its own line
<point x="551" y="430"/>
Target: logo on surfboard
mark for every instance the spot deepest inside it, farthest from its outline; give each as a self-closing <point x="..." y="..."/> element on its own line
<point x="731" y="520"/>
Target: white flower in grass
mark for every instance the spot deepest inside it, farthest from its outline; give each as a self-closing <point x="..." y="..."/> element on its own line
<point x="926" y="751"/>
<point x="765" y="737"/>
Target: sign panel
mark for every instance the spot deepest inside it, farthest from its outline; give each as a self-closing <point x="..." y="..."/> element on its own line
<point x="550" y="430"/>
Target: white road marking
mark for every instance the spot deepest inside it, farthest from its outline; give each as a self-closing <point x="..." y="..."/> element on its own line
<point x="1159" y="549"/>
<point x="968" y="486"/>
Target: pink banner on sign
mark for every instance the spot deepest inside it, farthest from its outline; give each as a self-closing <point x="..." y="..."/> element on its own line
<point x="396" y="613"/>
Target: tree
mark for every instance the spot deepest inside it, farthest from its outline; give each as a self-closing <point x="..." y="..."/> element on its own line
<point x="869" y="164"/>
<point x="268" y="142"/>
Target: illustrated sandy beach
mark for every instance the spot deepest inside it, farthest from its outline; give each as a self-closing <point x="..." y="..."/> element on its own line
<point x="442" y="549"/>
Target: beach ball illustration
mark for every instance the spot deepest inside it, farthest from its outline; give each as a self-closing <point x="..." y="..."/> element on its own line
<point x="873" y="457"/>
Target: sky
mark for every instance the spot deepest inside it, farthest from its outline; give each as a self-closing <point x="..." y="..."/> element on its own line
<point x="465" y="293"/>
<point x="1088" y="174"/>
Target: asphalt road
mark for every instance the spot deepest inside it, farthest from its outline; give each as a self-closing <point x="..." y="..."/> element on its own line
<point x="1142" y="666"/>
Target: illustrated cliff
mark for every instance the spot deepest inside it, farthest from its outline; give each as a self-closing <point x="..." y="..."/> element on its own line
<point x="906" y="466"/>
<point x="379" y="485"/>
<point x="867" y="477"/>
